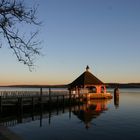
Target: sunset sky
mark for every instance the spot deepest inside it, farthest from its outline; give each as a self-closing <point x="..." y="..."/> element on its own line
<point x="104" y="34"/>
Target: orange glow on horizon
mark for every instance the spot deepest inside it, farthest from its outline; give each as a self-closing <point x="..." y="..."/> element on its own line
<point x="30" y="83"/>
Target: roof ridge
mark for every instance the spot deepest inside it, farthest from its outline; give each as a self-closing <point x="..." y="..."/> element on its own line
<point x="86" y="78"/>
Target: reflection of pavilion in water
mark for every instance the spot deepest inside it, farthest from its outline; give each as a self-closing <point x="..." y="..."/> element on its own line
<point x="85" y="112"/>
<point x="93" y="109"/>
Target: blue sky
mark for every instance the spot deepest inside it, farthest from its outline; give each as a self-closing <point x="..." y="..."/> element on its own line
<point x="104" y="34"/>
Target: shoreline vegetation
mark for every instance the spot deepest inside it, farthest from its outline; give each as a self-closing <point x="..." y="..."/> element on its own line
<point x="108" y="85"/>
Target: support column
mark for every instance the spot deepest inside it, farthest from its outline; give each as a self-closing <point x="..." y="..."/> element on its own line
<point x="78" y="94"/>
<point x="69" y="98"/>
<point x="78" y="91"/>
<point x="98" y="89"/>
<point x="104" y="89"/>
<point x="0" y="104"/>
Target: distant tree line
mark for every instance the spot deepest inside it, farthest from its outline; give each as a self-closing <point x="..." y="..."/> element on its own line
<point x="123" y="85"/>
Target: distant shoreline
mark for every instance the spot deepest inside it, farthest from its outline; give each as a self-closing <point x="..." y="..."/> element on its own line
<point x="37" y="86"/>
<point x="109" y="85"/>
<point x="123" y="85"/>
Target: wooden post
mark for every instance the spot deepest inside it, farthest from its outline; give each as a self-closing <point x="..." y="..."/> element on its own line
<point x="116" y="92"/>
<point x="116" y="97"/>
<point x="50" y="100"/>
<point x="50" y="94"/>
<point x="41" y="106"/>
<point x="57" y="99"/>
<point x="20" y="104"/>
<point x="79" y="94"/>
<point x="57" y="104"/>
<point x="69" y="96"/>
<point x="41" y="93"/>
<point x="63" y="100"/>
<point x="49" y="91"/>
<point x="116" y="102"/>
<point x="82" y="97"/>
<point x="32" y="103"/>
<point x="0" y="104"/>
<point x="74" y="98"/>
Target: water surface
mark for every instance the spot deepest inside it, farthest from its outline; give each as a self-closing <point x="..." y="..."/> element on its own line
<point x="98" y="119"/>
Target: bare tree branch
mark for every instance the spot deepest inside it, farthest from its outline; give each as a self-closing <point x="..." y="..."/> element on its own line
<point x="12" y="13"/>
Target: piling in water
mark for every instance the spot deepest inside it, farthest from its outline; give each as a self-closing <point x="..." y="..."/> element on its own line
<point x="116" y="92"/>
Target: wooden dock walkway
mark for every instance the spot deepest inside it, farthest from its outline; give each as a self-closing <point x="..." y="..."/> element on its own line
<point x="30" y="99"/>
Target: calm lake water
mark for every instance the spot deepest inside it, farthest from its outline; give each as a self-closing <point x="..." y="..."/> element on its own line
<point x="98" y="120"/>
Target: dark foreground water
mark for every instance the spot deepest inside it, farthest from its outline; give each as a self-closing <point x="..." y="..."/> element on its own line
<point x="97" y="120"/>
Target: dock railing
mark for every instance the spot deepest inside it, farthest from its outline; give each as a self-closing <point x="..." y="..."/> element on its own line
<point x="20" y="99"/>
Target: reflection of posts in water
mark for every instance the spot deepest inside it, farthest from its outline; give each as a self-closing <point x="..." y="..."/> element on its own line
<point x="49" y="116"/>
<point x="63" y="102"/>
<point x="116" y="97"/>
<point x="33" y="108"/>
<point x="57" y="98"/>
<point x="19" y="117"/>
<point x="0" y="104"/>
<point x="41" y="108"/>
<point x="70" y="111"/>
<point x="20" y="110"/>
<point x="41" y="115"/>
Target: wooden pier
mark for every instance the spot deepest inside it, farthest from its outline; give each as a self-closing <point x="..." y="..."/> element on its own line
<point x="15" y="105"/>
<point x="21" y="100"/>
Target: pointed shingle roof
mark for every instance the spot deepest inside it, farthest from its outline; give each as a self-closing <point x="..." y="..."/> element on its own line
<point x="86" y="78"/>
